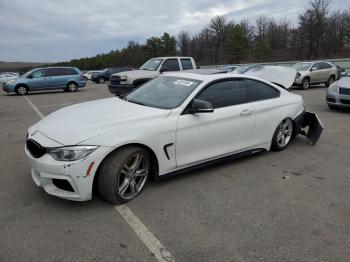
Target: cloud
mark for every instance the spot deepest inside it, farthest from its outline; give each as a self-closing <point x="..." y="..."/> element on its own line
<point x="51" y="30"/>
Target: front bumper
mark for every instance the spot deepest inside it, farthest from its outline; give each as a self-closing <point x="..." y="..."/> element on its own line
<point x="338" y="100"/>
<point x="120" y="89"/>
<point x="67" y="180"/>
<point x="310" y="122"/>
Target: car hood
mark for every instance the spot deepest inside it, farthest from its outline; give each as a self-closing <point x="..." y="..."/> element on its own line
<point x="344" y="82"/>
<point x="280" y="75"/>
<point x="138" y="73"/>
<point x="77" y="123"/>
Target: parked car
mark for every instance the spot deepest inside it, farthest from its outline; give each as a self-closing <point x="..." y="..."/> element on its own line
<point x="173" y="123"/>
<point x="229" y="68"/>
<point x="243" y="68"/>
<point x="338" y="94"/>
<point x="88" y="74"/>
<point x="123" y="83"/>
<point x="5" y="77"/>
<point x="105" y="74"/>
<point x="49" y="78"/>
<point x="315" y="73"/>
<point x="341" y="72"/>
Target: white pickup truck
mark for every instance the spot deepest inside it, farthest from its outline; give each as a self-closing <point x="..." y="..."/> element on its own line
<point x="123" y="83"/>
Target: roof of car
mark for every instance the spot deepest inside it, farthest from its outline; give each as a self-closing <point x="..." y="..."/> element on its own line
<point x="164" y="57"/>
<point x="206" y="77"/>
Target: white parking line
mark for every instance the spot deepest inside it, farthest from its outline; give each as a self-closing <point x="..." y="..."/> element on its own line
<point x="150" y="241"/>
<point x="34" y="107"/>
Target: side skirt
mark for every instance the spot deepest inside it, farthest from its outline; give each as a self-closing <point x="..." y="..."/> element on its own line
<point x="213" y="162"/>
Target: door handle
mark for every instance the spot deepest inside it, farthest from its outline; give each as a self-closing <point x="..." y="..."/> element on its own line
<point x="246" y="112"/>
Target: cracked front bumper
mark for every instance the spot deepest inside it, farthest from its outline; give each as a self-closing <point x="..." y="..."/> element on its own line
<point x="309" y="125"/>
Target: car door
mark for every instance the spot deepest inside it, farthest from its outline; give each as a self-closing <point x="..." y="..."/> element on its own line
<point x="326" y="71"/>
<point x="37" y="80"/>
<point x="264" y="101"/>
<point x="228" y="129"/>
<point x="315" y="73"/>
<point x="54" y="79"/>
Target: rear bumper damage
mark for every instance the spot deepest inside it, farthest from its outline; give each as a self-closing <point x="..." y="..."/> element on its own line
<point x="309" y="125"/>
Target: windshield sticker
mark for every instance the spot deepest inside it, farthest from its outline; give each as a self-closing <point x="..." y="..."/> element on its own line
<point x="183" y="82"/>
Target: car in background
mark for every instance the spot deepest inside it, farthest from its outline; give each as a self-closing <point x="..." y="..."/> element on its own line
<point x="171" y="124"/>
<point x="88" y="74"/>
<point x="49" y="78"/>
<point x="105" y="74"/>
<point x="229" y="68"/>
<point x="123" y="83"/>
<point x="243" y="68"/>
<point x="338" y="94"/>
<point x="5" y="77"/>
<point x="319" y="72"/>
<point x="341" y="72"/>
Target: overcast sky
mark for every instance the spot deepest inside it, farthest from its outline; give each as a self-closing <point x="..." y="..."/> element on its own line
<point x="60" y="30"/>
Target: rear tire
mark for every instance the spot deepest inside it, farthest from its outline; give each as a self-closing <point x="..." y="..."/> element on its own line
<point x="305" y="84"/>
<point x="331" y="79"/>
<point x="123" y="174"/>
<point x="22" y="90"/>
<point x="283" y="135"/>
<point x="72" y="87"/>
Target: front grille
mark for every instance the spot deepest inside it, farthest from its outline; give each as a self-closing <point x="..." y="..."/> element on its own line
<point x="344" y="91"/>
<point x="331" y="100"/>
<point x="346" y="102"/>
<point x="35" y="149"/>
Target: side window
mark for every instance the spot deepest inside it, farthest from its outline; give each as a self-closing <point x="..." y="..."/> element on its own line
<point x="171" y="65"/>
<point x="186" y="64"/>
<point x="39" y="73"/>
<point x="315" y="67"/>
<point x="224" y="93"/>
<point x="324" y="65"/>
<point x="257" y="90"/>
<point x="69" y="71"/>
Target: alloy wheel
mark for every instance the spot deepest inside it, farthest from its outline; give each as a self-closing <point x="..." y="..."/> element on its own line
<point x="22" y="90"/>
<point x="285" y="132"/>
<point x="133" y="176"/>
<point x="72" y="87"/>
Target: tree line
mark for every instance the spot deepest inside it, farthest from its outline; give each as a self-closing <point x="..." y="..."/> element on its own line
<point x="319" y="33"/>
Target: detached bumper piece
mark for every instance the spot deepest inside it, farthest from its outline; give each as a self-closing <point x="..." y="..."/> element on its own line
<point x="309" y="125"/>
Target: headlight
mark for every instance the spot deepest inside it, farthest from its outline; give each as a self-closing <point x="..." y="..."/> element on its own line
<point x="70" y="153"/>
<point x="123" y="78"/>
<point x="333" y="87"/>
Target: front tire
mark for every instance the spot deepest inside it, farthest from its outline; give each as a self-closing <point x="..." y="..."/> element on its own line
<point x="283" y="135"/>
<point x="22" y="90"/>
<point x="305" y="84"/>
<point x="101" y="80"/>
<point x="123" y="174"/>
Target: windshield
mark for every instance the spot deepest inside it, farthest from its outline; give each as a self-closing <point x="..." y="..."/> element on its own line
<point x="165" y="92"/>
<point x="28" y="73"/>
<point x="152" y="64"/>
<point x="302" y="66"/>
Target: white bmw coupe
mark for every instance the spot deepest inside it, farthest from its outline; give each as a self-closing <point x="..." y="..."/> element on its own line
<point x="171" y="124"/>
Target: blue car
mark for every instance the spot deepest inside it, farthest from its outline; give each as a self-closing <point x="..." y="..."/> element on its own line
<point x="50" y="78"/>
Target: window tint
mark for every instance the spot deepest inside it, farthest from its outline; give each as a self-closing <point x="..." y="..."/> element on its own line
<point x="171" y="65"/>
<point x="39" y="73"/>
<point x="325" y="65"/>
<point x="70" y="71"/>
<point x="186" y="64"/>
<point x="257" y="90"/>
<point x="224" y="93"/>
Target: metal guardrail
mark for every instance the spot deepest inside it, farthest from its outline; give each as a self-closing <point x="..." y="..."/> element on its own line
<point x="342" y="62"/>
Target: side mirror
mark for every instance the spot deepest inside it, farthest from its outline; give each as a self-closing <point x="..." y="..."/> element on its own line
<point x="163" y="69"/>
<point x="201" y="106"/>
<point x="313" y="69"/>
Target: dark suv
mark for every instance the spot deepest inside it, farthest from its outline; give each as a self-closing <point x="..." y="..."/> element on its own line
<point x="104" y="75"/>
